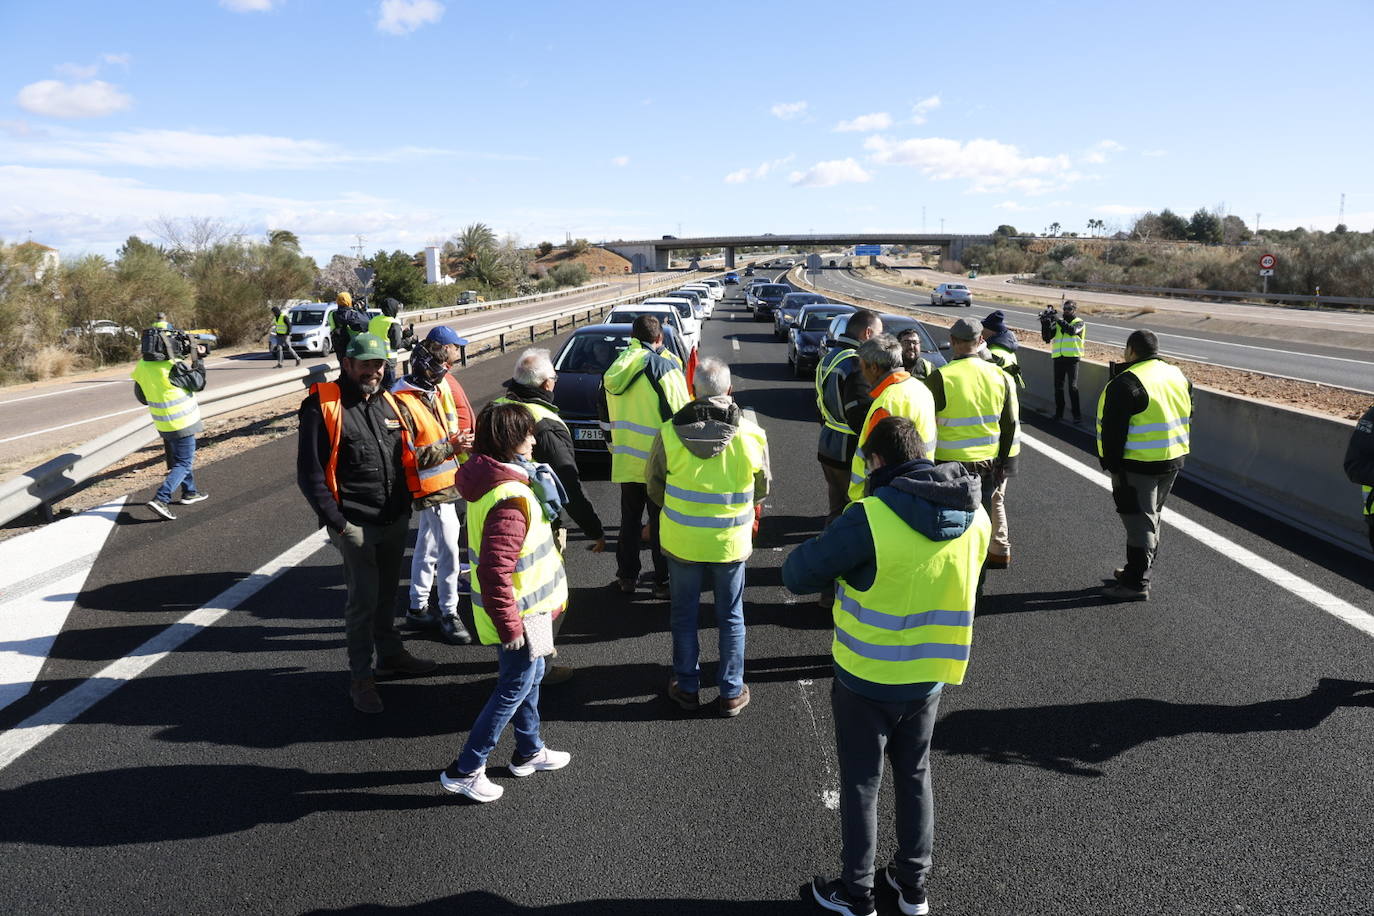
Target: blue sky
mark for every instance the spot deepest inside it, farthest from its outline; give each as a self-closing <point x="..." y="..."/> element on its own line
<point x="404" y="120"/>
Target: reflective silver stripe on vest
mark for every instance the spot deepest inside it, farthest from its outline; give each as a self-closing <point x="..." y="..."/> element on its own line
<point x="1155" y="443"/>
<point x="1155" y="427"/>
<point x="966" y="443"/>
<point x="696" y="521"/>
<point x="523" y="563"/>
<point x="902" y="653"/>
<point x="178" y="415"/>
<point x="167" y="405"/>
<point x="856" y="479"/>
<point x="885" y="621"/>
<point x="533" y="598"/>
<point x="964" y="421"/>
<point x="634" y="427"/>
<point x="447" y="466"/>
<point x="628" y="450"/>
<point x="715" y="499"/>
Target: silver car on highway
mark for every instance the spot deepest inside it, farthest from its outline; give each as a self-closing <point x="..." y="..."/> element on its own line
<point x="951" y="294"/>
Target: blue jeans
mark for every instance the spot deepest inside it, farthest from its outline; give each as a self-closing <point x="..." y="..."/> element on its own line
<point x="180" y="453"/>
<point x="515" y="699"/>
<point x="685" y="581"/>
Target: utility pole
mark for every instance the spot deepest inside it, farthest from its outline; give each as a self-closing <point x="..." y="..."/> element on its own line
<point x="923" y="220"/>
<point x="942" y="225"/>
<point x="1257" y="216"/>
<point x="1340" y="220"/>
<point x="359" y="247"/>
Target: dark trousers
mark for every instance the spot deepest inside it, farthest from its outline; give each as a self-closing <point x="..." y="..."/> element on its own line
<point x="1066" y="371"/>
<point x="865" y="730"/>
<point x="372" y="573"/>
<point x="836" y="490"/>
<point x="634" y="500"/>
<point x="1140" y="499"/>
<point x="282" y="342"/>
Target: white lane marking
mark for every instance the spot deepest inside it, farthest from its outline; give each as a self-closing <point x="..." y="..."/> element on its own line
<point x="69" y="389"/>
<point x="41" y="575"/>
<point x="830" y="791"/>
<point x="734" y="342"/>
<point x="1313" y="594"/>
<point x="38" y="727"/>
<point x="53" y="429"/>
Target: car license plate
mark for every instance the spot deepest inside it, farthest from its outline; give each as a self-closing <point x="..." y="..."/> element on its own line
<point x="592" y="433"/>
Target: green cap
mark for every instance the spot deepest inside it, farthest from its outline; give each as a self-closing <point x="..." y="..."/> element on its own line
<point x="367" y="346"/>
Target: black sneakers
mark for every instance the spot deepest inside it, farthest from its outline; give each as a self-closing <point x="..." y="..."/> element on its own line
<point x="452" y="631"/>
<point x="161" y="509"/>
<point x="910" y="900"/>
<point x="835" y="897"/>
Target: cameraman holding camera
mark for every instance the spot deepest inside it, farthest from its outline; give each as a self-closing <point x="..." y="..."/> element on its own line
<point x="169" y="373"/>
<point x="1067" y="336"/>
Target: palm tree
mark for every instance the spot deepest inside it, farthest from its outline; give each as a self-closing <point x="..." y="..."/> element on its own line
<point x="1053" y="230"/>
<point x="474" y="240"/>
<point x="283" y="238"/>
<point x="486" y="267"/>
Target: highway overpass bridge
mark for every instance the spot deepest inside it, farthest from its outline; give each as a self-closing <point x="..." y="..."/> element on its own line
<point x="653" y="254"/>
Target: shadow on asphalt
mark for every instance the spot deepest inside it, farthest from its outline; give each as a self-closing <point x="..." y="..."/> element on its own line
<point x="1018" y="602"/>
<point x="1074" y="738"/>
<point x="488" y="903"/>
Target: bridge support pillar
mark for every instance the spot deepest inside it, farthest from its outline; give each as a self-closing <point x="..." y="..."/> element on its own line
<point x="729" y="258"/>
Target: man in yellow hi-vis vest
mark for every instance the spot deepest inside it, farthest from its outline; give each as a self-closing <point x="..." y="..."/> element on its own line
<point x="707" y="469"/>
<point x="1144" y="423"/>
<point x="640" y="391"/>
<point x="1067" y="337"/>
<point x="166" y="379"/>
<point x="904" y="562"/>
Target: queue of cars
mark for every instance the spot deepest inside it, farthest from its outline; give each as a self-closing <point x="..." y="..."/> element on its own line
<point x="809" y="322"/>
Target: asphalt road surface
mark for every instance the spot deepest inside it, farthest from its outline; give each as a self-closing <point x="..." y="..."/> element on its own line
<point x="1330" y="365"/>
<point x="1206" y="753"/>
<point x="35" y="420"/>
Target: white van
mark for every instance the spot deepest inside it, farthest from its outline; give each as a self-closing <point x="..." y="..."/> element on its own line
<point x="691" y="325"/>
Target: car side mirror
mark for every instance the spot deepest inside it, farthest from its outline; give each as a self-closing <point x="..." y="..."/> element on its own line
<point x="944" y="346"/>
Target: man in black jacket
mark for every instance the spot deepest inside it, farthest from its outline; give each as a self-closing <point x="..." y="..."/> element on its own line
<point x="1359" y="465"/>
<point x="349" y="468"/>
<point x="1144" y="426"/>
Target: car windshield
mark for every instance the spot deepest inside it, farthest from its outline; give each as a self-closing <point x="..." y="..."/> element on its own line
<point x="772" y="291"/>
<point x="896" y="326"/>
<point x="957" y="286"/>
<point x="795" y="301"/>
<point x="627" y="316"/>
<point x="817" y="321"/>
<point x="301" y="317"/>
<point x="684" y="308"/>
<point x="591" y="353"/>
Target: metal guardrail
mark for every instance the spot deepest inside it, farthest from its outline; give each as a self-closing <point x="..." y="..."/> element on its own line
<point x="41" y="486"/>
<point x="1314" y="299"/>
<point x="450" y="310"/>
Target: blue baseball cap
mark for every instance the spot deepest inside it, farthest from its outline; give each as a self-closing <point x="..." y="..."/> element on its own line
<point x="442" y="334"/>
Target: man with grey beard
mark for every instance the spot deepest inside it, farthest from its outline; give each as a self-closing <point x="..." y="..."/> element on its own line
<point x="349" y="466"/>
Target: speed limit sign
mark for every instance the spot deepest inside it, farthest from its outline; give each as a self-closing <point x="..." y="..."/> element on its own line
<point x="1268" y="261"/>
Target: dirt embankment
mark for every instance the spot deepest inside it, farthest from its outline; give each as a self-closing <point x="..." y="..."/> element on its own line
<point x="593" y="258"/>
<point x="1325" y="399"/>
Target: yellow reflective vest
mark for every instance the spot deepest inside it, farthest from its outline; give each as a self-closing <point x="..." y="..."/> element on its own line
<point x="1010" y="362"/>
<point x="380" y="325"/>
<point x="914" y="625"/>
<point x="538" y="581"/>
<point x="898" y="395"/>
<point x="280" y="325"/>
<point x="1369" y="501"/>
<point x="832" y="364"/>
<point x="976" y="392"/>
<point x="540" y="412"/>
<point x="1069" y="344"/>
<point x="172" y="408"/>
<point x="636" y="412"/>
<point x="708" y="503"/>
<point x="1162" y="430"/>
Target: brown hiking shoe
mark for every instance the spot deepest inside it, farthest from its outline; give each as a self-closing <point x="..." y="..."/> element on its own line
<point x="557" y="674"/>
<point x="688" y="701"/>
<point x="729" y="708"/>
<point x="998" y="560"/>
<point x="404" y="663"/>
<point x="363" y="691"/>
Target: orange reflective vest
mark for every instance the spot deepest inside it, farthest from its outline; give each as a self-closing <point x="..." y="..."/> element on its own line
<point x="331" y="409"/>
<point x="422" y="431"/>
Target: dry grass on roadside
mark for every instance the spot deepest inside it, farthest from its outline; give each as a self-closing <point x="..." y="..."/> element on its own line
<point x="48" y="362"/>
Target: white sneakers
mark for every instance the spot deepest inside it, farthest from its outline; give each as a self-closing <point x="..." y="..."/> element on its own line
<point x="481" y="789"/>
<point x="476" y="787"/>
<point x="546" y="759"/>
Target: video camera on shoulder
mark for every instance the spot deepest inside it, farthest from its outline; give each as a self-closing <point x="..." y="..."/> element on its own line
<point x="1051" y="313"/>
<point x="163" y="344"/>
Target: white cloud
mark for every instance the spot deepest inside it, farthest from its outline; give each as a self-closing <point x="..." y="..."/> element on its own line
<point x="759" y="172"/>
<point x="248" y="6"/>
<point x="923" y="108"/>
<point x="1011" y="205"/>
<point x="119" y="60"/>
<point x="789" y="111"/>
<point x="879" y="120"/>
<point x="56" y="99"/>
<point x="1154" y="153"/>
<point x="174" y="149"/>
<point x="833" y="172"/>
<point x="988" y="164"/>
<point x="621" y="161"/>
<point x="399" y="17"/>
<point x="1101" y="150"/>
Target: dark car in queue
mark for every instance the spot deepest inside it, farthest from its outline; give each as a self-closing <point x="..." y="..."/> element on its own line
<point x="581" y="362"/>
<point x="785" y="315"/>
<point x="892" y="324"/>
<point x="807" y="332"/>
<point x="765" y="298"/>
<point x="730" y="279"/>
